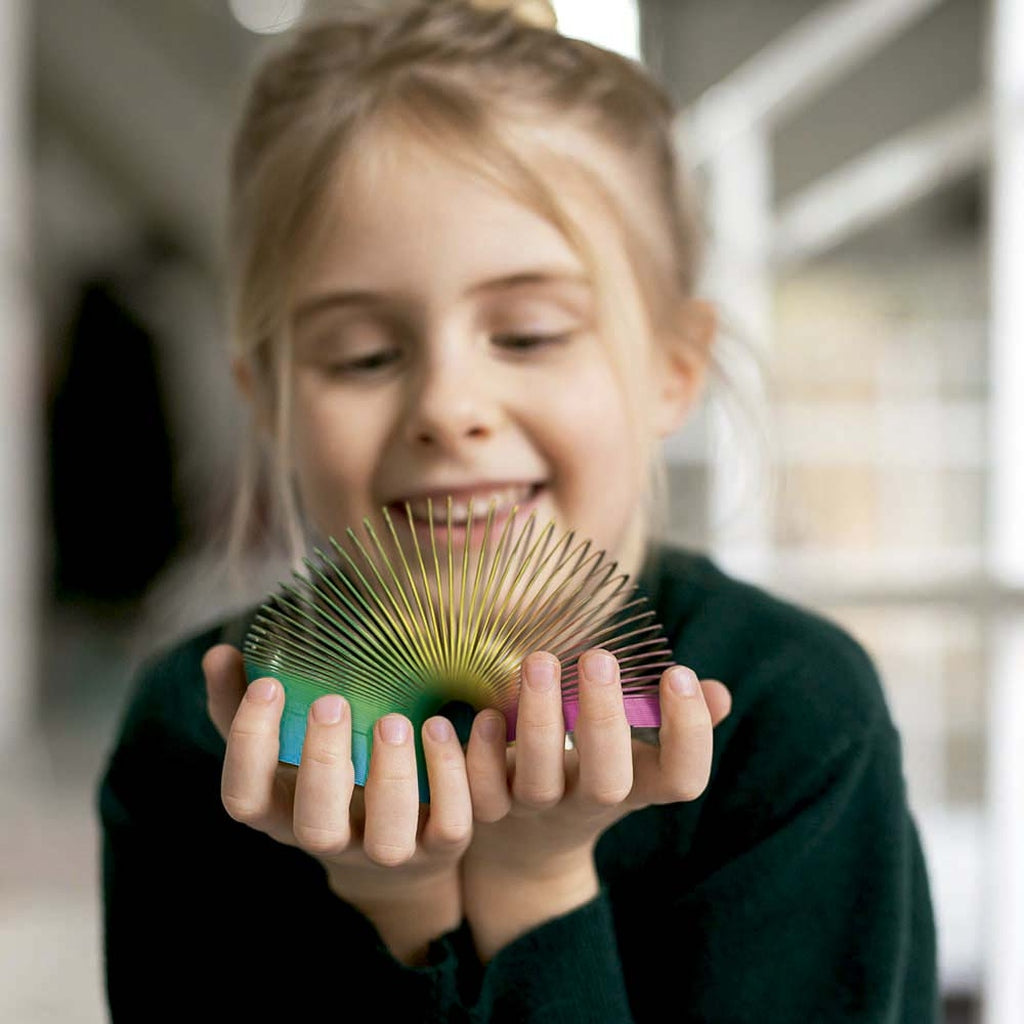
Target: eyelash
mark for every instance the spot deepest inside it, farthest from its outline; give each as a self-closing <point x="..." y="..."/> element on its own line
<point x="526" y="342"/>
<point x="375" y="362"/>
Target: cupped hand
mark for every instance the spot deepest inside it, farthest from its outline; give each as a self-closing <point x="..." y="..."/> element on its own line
<point x="384" y="853"/>
<point x="540" y="808"/>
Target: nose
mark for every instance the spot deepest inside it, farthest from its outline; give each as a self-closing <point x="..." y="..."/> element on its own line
<point x="450" y="403"/>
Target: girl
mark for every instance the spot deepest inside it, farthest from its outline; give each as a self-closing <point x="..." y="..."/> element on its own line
<point x="462" y="267"/>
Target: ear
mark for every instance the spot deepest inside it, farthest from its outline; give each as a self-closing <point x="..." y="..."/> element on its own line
<point x="681" y="364"/>
<point x="252" y="391"/>
<point x="241" y="373"/>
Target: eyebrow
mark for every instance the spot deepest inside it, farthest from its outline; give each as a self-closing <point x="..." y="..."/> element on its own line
<point x="366" y="298"/>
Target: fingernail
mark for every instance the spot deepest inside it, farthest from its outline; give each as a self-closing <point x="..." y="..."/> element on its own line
<point x="540" y="673"/>
<point x="394" y="729"/>
<point x="262" y="691"/>
<point x="328" y="710"/>
<point x="599" y="667"/>
<point x="440" y="729"/>
<point x="490" y="727"/>
<point x="683" y="681"/>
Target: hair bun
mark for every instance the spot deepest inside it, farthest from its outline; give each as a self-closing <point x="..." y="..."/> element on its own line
<point x="538" y="13"/>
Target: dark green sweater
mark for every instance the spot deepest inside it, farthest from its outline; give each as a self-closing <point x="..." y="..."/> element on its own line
<point x="792" y="890"/>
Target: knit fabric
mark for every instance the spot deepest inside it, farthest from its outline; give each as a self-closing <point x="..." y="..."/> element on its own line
<point x="794" y="889"/>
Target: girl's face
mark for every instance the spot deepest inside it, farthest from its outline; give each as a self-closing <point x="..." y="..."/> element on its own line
<point x="446" y="343"/>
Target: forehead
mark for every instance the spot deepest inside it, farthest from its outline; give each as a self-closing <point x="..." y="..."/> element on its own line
<point x="411" y="211"/>
<point x="398" y="197"/>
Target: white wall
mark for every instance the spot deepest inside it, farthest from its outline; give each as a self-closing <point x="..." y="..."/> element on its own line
<point x="20" y="404"/>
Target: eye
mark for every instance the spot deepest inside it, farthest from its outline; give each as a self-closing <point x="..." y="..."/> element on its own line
<point x="527" y="342"/>
<point x="363" y="365"/>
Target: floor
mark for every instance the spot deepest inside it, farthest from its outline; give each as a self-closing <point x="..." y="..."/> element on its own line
<point x="50" y="932"/>
<point x="49" y="921"/>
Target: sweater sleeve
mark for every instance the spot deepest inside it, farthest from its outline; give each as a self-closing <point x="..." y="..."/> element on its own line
<point x="794" y="890"/>
<point x="800" y="892"/>
<point x="821" y="918"/>
<point x="204" y="916"/>
<point x="566" y="971"/>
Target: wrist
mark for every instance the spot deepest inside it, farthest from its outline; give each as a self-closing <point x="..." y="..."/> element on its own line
<point x="501" y="904"/>
<point x="408" y="915"/>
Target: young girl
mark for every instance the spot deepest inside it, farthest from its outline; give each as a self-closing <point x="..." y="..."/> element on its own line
<point x="462" y="267"/>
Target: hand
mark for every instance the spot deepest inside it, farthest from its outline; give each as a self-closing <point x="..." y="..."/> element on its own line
<point x="395" y="861"/>
<point x="540" y="809"/>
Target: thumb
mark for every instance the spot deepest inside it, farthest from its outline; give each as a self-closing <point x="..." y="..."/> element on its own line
<point x="718" y="699"/>
<point x="225" y="685"/>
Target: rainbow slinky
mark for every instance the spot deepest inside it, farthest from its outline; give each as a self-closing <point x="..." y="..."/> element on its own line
<point x="394" y="624"/>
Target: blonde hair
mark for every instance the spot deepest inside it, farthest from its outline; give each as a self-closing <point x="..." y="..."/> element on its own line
<point x="460" y="76"/>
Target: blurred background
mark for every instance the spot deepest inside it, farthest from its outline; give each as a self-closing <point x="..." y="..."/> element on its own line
<point x="862" y="168"/>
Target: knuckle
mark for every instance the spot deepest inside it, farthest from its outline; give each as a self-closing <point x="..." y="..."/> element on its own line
<point x="389" y="855"/>
<point x="322" y="756"/>
<point x="687" y="790"/>
<point x="394" y="778"/>
<point x="447" y="763"/>
<point x="606" y="717"/>
<point x="452" y="836"/>
<point x="242" y="809"/>
<point x="489" y="815"/>
<point x="695" y="728"/>
<point x="453" y="759"/>
<point x="539" y="726"/>
<point x="489" y="807"/>
<point x="245" y="729"/>
<point x="609" y="794"/>
<point x="318" y="840"/>
<point x="538" y="796"/>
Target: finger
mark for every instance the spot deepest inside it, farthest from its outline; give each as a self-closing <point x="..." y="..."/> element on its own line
<point x="685" y="739"/>
<point x="718" y="699"/>
<point x="392" y="793"/>
<point x="539" y="777"/>
<point x="225" y="685"/>
<point x="450" y="822"/>
<point x="487" y="767"/>
<point x="323" y="790"/>
<point x="602" y="733"/>
<point x="248" y="781"/>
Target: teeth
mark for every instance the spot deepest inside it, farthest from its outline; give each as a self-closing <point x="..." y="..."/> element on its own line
<point x="502" y="500"/>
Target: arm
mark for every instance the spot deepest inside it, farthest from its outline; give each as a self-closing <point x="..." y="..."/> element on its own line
<point x="809" y="903"/>
<point x="533" y="899"/>
<point x="397" y="864"/>
<point x="794" y="889"/>
<point x="204" y="914"/>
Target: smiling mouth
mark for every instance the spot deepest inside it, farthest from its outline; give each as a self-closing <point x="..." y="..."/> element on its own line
<point x="433" y="508"/>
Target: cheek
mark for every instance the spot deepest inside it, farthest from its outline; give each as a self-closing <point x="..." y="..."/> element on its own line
<point x="334" y="454"/>
<point x="594" y="429"/>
